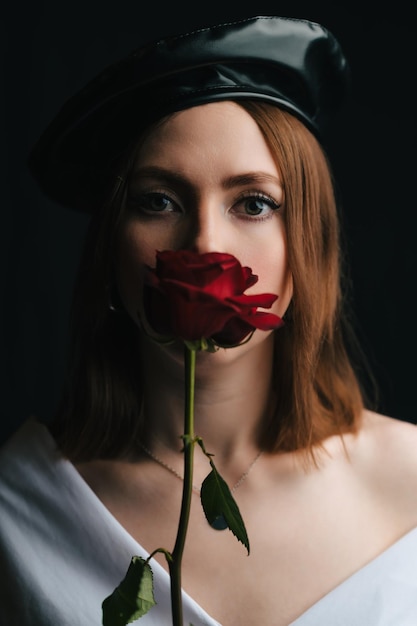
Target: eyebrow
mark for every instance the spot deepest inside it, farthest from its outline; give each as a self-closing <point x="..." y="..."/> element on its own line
<point x="250" y="178"/>
<point x="239" y="180"/>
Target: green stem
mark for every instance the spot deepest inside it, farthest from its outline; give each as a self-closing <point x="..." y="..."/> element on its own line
<point x="189" y="441"/>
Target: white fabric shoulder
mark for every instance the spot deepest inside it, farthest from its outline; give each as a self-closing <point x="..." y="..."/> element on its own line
<point x="383" y="593"/>
<point x="61" y="551"/>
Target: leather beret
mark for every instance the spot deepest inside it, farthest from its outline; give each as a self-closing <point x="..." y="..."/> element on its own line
<point x="293" y="63"/>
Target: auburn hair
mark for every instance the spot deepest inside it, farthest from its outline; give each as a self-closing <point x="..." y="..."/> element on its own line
<point x="317" y="391"/>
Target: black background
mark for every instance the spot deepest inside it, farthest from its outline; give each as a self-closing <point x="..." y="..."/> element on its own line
<point x="50" y="49"/>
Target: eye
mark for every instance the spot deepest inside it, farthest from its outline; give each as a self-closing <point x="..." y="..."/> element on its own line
<point x="152" y="203"/>
<point x="255" y="206"/>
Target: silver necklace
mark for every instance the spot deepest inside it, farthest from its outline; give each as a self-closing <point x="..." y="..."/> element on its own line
<point x="196" y="489"/>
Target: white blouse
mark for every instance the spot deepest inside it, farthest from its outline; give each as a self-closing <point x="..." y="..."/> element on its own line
<point x="62" y="553"/>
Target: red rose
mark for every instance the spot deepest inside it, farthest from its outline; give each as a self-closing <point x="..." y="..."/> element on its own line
<point x="201" y="296"/>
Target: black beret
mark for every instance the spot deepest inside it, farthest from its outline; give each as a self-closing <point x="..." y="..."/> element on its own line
<point x="293" y="63"/>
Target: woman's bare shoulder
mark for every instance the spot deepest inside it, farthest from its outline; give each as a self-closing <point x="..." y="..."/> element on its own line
<point x="389" y="434"/>
<point x="385" y="455"/>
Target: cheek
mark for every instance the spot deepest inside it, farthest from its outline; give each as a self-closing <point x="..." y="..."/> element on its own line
<point x="275" y="277"/>
<point x="285" y="294"/>
<point x="270" y="263"/>
<point x="133" y="254"/>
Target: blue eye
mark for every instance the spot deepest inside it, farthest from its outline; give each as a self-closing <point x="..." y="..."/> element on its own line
<point x="151" y="203"/>
<point x="256" y="206"/>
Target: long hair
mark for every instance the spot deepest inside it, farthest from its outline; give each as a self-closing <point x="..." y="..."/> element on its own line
<point x="317" y="391"/>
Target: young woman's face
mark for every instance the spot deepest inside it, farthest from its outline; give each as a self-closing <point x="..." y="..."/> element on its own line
<point x="205" y="180"/>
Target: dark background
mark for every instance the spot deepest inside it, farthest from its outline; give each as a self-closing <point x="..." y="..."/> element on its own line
<point x="50" y="49"/>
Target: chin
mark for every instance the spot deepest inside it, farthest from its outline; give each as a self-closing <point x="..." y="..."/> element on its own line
<point x="259" y="344"/>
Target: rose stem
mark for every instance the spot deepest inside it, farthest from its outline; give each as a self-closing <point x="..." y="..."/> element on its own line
<point x="175" y="563"/>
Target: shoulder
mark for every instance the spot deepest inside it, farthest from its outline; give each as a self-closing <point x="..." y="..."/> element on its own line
<point x="384" y="454"/>
<point x="387" y="435"/>
<point x="383" y="446"/>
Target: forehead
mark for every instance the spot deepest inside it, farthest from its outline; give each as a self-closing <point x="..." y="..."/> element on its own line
<point x="219" y="132"/>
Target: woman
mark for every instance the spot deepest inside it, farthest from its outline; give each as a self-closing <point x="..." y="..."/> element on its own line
<point x="210" y="142"/>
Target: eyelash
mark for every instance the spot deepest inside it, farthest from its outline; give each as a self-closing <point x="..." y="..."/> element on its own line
<point x="258" y="196"/>
<point x="142" y="204"/>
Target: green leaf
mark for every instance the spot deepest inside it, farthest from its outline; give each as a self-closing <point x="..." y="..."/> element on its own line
<point x="132" y="598"/>
<point x="220" y="507"/>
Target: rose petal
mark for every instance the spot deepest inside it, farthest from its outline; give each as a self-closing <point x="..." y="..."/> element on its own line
<point x="201" y="296"/>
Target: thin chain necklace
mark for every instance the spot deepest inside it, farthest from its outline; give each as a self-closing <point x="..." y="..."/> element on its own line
<point x="196" y="489"/>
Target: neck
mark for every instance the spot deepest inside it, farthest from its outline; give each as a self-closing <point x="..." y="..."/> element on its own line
<point x="232" y="397"/>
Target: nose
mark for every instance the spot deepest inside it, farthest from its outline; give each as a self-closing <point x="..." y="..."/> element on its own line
<point x="206" y="232"/>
